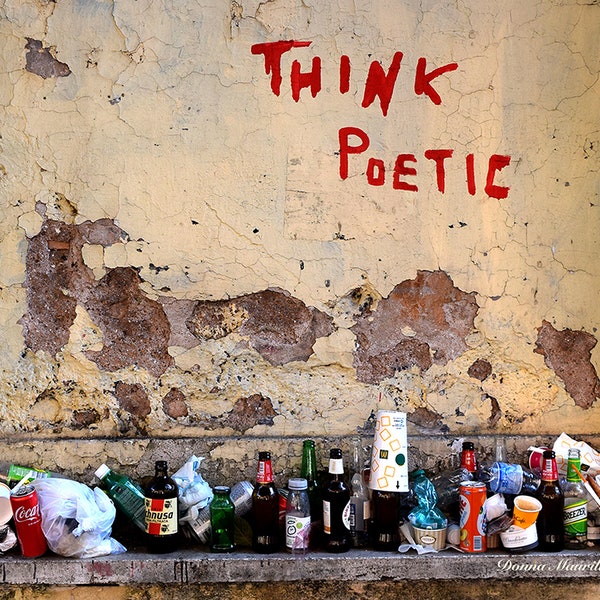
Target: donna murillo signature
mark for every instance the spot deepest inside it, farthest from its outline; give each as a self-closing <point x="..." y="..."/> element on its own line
<point x="533" y="565"/>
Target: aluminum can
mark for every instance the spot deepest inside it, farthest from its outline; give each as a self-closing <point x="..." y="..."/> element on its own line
<point x="473" y="523"/>
<point x="28" y="521"/>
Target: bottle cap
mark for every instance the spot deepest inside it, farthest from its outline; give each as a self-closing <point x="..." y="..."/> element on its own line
<point x="298" y="483"/>
<point x="222" y="489"/>
<point x="102" y="471"/>
<point x="264" y="456"/>
<point x="335" y="453"/>
<point x="468" y="446"/>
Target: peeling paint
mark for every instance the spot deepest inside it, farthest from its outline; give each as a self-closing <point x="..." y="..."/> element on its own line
<point x="438" y="315"/>
<point x="568" y="353"/>
<point x="40" y="61"/>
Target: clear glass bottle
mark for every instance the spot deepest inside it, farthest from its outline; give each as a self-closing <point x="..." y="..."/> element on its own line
<point x="222" y="512"/>
<point x="297" y="517"/>
<point x="360" y="503"/>
<point x="162" y="518"/>
<point x="265" y="506"/>
<point x="575" y="507"/>
<point x="127" y="495"/>
<point x="550" y="520"/>
<point x="336" y="506"/>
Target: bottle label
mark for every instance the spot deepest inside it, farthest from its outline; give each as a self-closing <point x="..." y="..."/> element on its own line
<point x="509" y="478"/>
<point x="550" y="470"/>
<point x="346" y="515"/>
<point x="327" y="516"/>
<point x="161" y="516"/>
<point x="575" y="518"/>
<point x="16" y="473"/>
<point x="336" y="466"/>
<point x="265" y="472"/>
<point x="297" y="530"/>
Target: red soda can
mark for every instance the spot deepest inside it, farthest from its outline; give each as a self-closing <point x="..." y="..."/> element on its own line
<point x="28" y="521"/>
<point x="473" y="522"/>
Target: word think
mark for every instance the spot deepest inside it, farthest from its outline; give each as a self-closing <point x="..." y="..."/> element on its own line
<point x="379" y="84"/>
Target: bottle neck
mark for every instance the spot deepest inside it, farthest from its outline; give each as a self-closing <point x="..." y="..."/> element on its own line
<point x="549" y="471"/>
<point x="308" y="469"/>
<point x="573" y="465"/>
<point x="265" y="472"/>
<point x="468" y="461"/>
<point x="336" y="466"/>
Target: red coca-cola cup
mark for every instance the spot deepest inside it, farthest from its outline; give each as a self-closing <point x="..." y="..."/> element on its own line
<point x="28" y="521"/>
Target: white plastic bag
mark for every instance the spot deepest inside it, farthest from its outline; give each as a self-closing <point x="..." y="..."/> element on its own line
<point x="76" y="520"/>
<point x="193" y="490"/>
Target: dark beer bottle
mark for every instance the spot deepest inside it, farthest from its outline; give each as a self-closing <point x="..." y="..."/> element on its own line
<point x="386" y="519"/>
<point x="550" y="520"/>
<point x="160" y="501"/>
<point x="265" y="506"/>
<point x="336" y="506"/>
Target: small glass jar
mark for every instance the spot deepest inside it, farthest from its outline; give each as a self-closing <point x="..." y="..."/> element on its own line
<point x="222" y="520"/>
<point x="297" y="517"/>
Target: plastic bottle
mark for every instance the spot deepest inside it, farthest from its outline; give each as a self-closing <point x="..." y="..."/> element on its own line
<point x="221" y="520"/>
<point x="297" y="517"/>
<point x="550" y="520"/>
<point x="336" y="506"/>
<point x="265" y="505"/>
<point x="575" y="507"/>
<point x="11" y="474"/>
<point x="507" y="478"/>
<point x="162" y="519"/>
<point x="360" y="503"/>
<point x="127" y="495"/>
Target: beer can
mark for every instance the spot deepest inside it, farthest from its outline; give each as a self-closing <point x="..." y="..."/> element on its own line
<point x="28" y="521"/>
<point x="473" y="523"/>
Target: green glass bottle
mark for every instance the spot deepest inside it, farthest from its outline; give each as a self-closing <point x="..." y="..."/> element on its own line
<point x="222" y="520"/>
<point x="309" y="472"/>
<point x="575" y="508"/>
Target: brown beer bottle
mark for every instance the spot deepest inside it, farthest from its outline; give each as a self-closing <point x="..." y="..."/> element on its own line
<point x="162" y="521"/>
<point x="336" y="506"/>
<point x="265" y="506"/>
<point x="550" y="520"/>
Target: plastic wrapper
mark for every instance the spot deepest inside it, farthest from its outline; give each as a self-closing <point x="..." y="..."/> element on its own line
<point x="76" y="520"/>
<point x="426" y="515"/>
<point x="589" y="456"/>
<point x="193" y="490"/>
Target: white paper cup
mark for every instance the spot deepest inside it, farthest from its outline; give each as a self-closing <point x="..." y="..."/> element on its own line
<point x="6" y="512"/>
<point x="389" y="469"/>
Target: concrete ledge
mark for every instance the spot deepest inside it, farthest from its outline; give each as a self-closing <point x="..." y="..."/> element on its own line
<point x="200" y="566"/>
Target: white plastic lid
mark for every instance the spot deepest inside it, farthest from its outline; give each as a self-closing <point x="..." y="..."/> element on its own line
<point x="298" y="483"/>
<point x="102" y="471"/>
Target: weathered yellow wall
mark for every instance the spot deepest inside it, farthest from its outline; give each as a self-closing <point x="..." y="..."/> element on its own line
<point x="146" y="134"/>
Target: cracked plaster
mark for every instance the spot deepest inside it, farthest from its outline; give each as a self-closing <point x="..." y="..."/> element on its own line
<point x="178" y="181"/>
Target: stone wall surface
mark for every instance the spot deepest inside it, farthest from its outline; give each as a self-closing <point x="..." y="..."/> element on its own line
<point x="247" y="220"/>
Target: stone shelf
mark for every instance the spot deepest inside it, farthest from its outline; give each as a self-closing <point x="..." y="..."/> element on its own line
<point x="200" y="566"/>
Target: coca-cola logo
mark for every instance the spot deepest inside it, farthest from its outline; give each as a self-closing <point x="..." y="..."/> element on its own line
<point x="23" y="513"/>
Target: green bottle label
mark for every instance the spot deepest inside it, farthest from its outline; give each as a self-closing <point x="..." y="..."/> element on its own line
<point x="16" y="473"/>
<point x="575" y="518"/>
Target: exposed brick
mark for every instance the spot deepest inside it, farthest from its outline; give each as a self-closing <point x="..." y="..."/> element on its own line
<point x="568" y="354"/>
<point x="174" y="404"/>
<point x="135" y="328"/>
<point x="281" y="328"/>
<point x="133" y="399"/>
<point x="251" y="411"/>
<point x="480" y="369"/>
<point x="423" y="321"/>
<point x="39" y="61"/>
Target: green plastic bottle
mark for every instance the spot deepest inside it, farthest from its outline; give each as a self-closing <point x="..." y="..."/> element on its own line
<point x="127" y="495"/>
